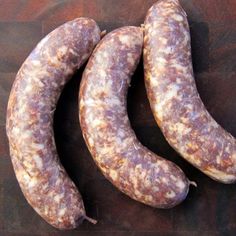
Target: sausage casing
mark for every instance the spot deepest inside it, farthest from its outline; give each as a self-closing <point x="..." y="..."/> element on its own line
<point x="124" y="161"/>
<point x="175" y="102"/>
<point x="32" y="102"/>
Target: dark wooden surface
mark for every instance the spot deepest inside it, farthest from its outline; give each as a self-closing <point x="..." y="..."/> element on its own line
<point x="209" y="209"/>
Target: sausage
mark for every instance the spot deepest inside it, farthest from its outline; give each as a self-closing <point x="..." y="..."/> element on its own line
<point x="39" y="82"/>
<point x="173" y="96"/>
<point x="123" y="160"/>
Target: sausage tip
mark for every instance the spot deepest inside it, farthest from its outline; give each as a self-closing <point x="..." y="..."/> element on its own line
<point x="103" y="33"/>
<point x="93" y="221"/>
<point x="193" y="183"/>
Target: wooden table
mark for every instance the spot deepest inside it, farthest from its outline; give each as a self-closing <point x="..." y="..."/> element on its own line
<point x="209" y="209"/>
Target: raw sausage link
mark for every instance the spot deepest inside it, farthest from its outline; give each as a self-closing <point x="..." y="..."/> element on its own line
<point x="124" y="161"/>
<point x="173" y="95"/>
<point x="32" y="102"/>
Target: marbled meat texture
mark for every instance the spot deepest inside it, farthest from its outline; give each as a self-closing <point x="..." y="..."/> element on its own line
<point x="175" y="102"/>
<point x="31" y="106"/>
<point x="123" y="160"/>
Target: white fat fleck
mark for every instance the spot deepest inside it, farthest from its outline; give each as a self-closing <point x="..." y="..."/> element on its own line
<point x="90" y="141"/>
<point x="227" y="149"/>
<point x="45" y="186"/>
<point x="62" y="211"/>
<point x="36" y="63"/>
<point x="39" y="83"/>
<point x="28" y="164"/>
<point x="88" y="102"/>
<point x="154" y="81"/>
<point x="135" y="183"/>
<point x="26" y="134"/>
<point x="26" y="177"/>
<point x="58" y="197"/>
<point x="214" y="124"/>
<point x="55" y="85"/>
<point x="147" y="182"/>
<point x="124" y="39"/>
<point x="165" y="167"/>
<point x="102" y="73"/>
<point x="46" y="209"/>
<point x="120" y="133"/>
<point x="138" y="167"/>
<point x="194" y="160"/>
<point x="159" y="106"/>
<point x="136" y="147"/>
<point x="37" y="146"/>
<point x="72" y="51"/>
<point x="173" y="177"/>
<point x="161" y="60"/>
<point x="51" y="194"/>
<point x="98" y="57"/>
<point x="218" y="159"/>
<point x="119" y="142"/>
<point x="115" y="101"/>
<point x="42" y="104"/>
<point x="58" y="182"/>
<point x="54" y="60"/>
<point x="130" y="59"/>
<point x="170" y="194"/>
<point x="81" y="103"/>
<point x="186" y="39"/>
<point x="137" y="193"/>
<point x="153" y="33"/>
<point x="167" y="50"/>
<point x="178" y="80"/>
<point x="113" y="175"/>
<point x="180" y="184"/>
<point x="148" y="198"/>
<point x="97" y="122"/>
<point x="104" y="88"/>
<point x="157" y="168"/>
<point x="172" y="92"/>
<point x="15" y="131"/>
<point x="177" y="17"/>
<point x="164" y="180"/>
<point x="155" y="188"/>
<point x="32" y="182"/>
<point x="38" y="161"/>
<point x="62" y="50"/>
<point x="189" y="107"/>
<point x="105" y="150"/>
<point x="159" y="111"/>
<point x="182" y="129"/>
<point x="139" y="173"/>
<point x="179" y="67"/>
<point x="184" y="120"/>
<point x="101" y="59"/>
<point x="163" y="40"/>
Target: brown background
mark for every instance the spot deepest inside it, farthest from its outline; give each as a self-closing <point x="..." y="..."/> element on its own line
<point x="209" y="209"/>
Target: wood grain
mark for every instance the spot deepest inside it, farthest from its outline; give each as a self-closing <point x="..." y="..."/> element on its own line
<point x="16" y="42"/>
<point x="208" y="209"/>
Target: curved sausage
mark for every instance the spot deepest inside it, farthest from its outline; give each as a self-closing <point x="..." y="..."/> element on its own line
<point x="124" y="161"/>
<point x="175" y="102"/>
<point x="39" y="82"/>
